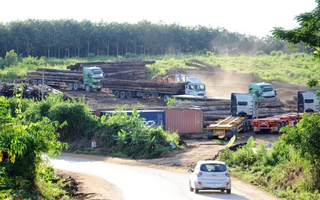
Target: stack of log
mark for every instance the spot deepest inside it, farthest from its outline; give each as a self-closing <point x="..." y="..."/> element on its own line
<point x="220" y="108"/>
<point x="54" y="74"/>
<point x="26" y="90"/>
<point x="126" y="69"/>
<point x="270" y="107"/>
<point x="146" y="85"/>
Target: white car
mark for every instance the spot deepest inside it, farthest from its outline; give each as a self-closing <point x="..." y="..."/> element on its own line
<point x="210" y="175"/>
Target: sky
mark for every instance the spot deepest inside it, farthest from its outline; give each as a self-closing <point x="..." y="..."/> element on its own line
<point x="252" y="17"/>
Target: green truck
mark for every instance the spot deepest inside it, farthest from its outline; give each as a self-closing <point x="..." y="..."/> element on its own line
<point x="262" y="90"/>
<point x="88" y="79"/>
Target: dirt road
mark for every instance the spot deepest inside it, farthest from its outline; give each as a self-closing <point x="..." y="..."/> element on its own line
<point x="197" y="148"/>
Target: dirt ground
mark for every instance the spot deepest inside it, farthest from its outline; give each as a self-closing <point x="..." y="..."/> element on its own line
<point x="198" y="147"/>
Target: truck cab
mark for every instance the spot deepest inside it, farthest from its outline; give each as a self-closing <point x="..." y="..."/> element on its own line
<point x="92" y="77"/>
<point x="244" y="108"/>
<point x="195" y="87"/>
<point x="244" y="105"/>
<point x="262" y="90"/>
<point x="308" y="101"/>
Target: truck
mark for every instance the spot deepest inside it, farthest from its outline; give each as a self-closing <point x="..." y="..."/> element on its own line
<point x="308" y="101"/>
<point x="273" y="124"/>
<point x="88" y="79"/>
<point x="262" y="90"/>
<point x="159" y="88"/>
<point x="244" y="108"/>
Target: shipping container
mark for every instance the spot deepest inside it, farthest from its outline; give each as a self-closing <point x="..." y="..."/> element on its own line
<point x="184" y="121"/>
<point x="156" y="117"/>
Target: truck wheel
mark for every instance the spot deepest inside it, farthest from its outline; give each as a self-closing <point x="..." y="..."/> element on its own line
<point x="165" y="98"/>
<point x="235" y="132"/>
<point x="116" y="93"/>
<point x="70" y="86"/>
<point x="75" y="86"/>
<point x="279" y="127"/>
<point x="128" y="95"/>
<point x="88" y="88"/>
<point x="122" y="94"/>
<point x="99" y="89"/>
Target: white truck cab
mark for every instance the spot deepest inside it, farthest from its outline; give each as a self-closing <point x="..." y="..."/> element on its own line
<point x="308" y="101"/>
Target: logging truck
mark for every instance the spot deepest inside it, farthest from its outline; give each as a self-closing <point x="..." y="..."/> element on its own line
<point x="308" y="101"/>
<point x="188" y="88"/>
<point x="244" y="108"/>
<point x="90" y="78"/>
<point x="275" y="123"/>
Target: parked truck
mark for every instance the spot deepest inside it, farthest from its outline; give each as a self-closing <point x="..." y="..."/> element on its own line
<point x="262" y="90"/>
<point x="308" y="101"/>
<point x="187" y="87"/>
<point x="88" y="79"/>
<point x="244" y="108"/>
<point x="275" y="123"/>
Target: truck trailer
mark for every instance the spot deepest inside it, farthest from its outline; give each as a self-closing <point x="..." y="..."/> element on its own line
<point x="187" y="87"/>
<point x="90" y="78"/>
<point x="243" y="109"/>
<point x="275" y="123"/>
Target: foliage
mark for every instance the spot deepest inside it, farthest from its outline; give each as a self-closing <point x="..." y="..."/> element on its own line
<point x="289" y="168"/>
<point x="126" y="135"/>
<point x="66" y="38"/>
<point x="11" y="58"/>
<point x="22" y="145"/>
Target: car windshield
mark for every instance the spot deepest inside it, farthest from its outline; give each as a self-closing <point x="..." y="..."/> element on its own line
<point x="213" y="167"/>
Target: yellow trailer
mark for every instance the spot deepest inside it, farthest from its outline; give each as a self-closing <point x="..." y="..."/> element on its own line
<point x="228" y="127"/>
<point x="243" y="110"/>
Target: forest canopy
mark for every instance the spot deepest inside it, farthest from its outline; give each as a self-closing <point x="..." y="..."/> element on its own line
<point x="71" y="38"/>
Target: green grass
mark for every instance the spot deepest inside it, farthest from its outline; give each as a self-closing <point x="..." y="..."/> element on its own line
<point x="294" y="68"/>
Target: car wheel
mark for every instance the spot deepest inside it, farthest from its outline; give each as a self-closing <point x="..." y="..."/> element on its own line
<point x="222" y="191"/>
<point x="191" y="189"/>
<point x="229" y="191"/>
<point x="195" y="190"/>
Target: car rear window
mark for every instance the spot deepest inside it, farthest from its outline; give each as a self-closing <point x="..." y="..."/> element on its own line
<point x="213" y="168"/>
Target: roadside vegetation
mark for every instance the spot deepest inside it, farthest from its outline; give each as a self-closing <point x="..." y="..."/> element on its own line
<point x="29" y="130"/>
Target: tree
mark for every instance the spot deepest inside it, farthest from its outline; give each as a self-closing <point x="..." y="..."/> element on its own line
<point x="11" y="58"/>
<point x="305" y="136"/>
<point x="307" y="33"/>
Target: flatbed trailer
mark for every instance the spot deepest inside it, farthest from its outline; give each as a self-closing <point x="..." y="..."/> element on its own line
<point x="228" y="127"/>
<point x="275" y="123"/>
<point x="243" y="110"/>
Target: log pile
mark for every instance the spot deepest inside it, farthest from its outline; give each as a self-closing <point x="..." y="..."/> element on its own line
<point x="219" y="109"/>
<point x="54" y="74"/>
<point x="26" y="90"/>
<point x="146" y="85"/>
<point x="126" y="69"/>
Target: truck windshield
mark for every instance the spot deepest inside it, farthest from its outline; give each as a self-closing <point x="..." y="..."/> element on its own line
<point x="200" y="87"/>
<point x="266" y="88"/>
<point x="96" y="71"/>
